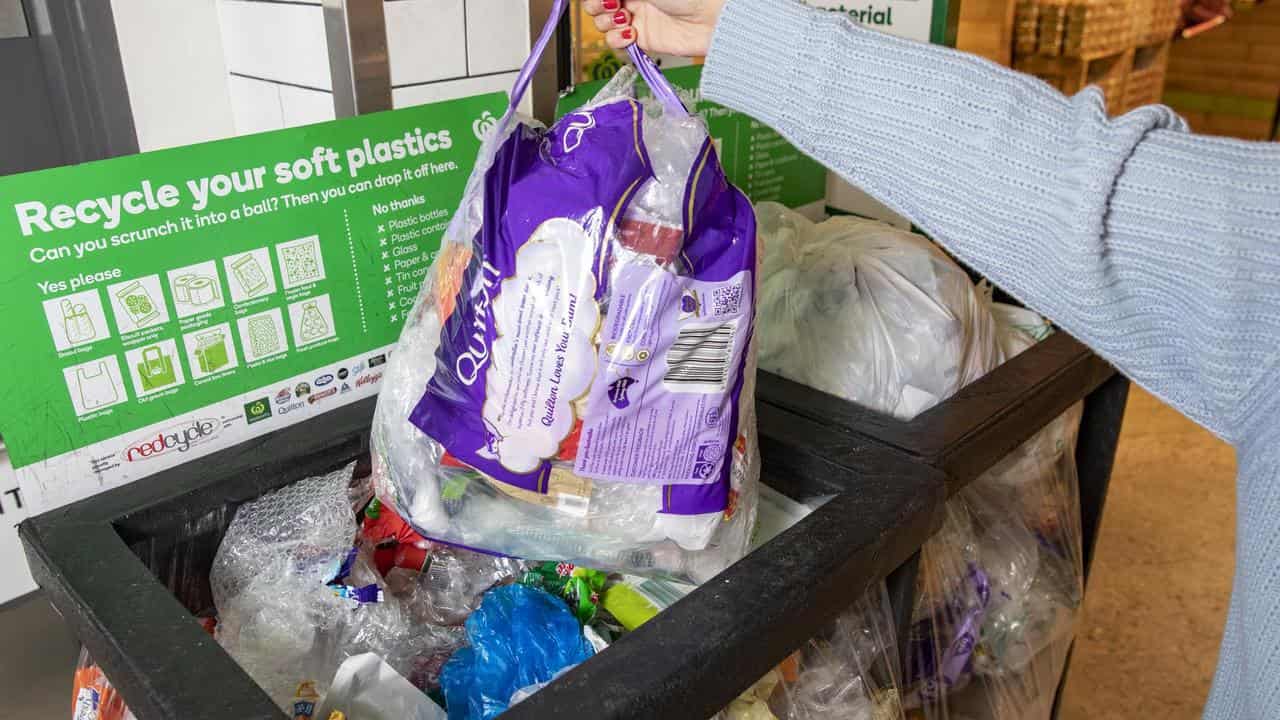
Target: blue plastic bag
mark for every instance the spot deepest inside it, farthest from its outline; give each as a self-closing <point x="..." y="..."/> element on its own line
<point x="520" y="636"/>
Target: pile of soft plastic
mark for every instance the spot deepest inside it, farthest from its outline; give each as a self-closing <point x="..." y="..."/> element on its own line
<point x="881" y="317"/>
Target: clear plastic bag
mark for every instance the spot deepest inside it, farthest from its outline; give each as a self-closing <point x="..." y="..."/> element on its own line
<point x="1001" y="585"/>
<point x="846" y="672"/>
<point x="1000" y="588"/>
<point x="870" y="313"/>
<point x="93" y="697"/>
<point x="882" y="318"/>
<point x="849" y="671"/>
<point x="576" y="379"/>
<point x="279" y="616"/>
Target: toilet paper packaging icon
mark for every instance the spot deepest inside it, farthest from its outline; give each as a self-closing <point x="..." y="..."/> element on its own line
<point x="195" y="290"/>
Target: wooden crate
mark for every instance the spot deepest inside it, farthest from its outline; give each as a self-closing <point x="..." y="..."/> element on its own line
<point x="1071" y="75"/>
<point x="1084" y="29"/>
<point x="1145" y="82"/>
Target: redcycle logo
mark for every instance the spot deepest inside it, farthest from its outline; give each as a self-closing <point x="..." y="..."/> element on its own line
<point x="177" y="438"/>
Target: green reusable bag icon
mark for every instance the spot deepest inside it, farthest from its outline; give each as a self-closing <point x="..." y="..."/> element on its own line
<point x="156" y="369"/>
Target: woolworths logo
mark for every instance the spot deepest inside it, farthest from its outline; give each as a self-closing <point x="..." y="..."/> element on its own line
<point x="483" y="125"/>
<point x="881" y="15"/>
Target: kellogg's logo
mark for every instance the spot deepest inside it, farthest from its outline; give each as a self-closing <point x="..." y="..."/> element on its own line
<point x="180" y="438"/>
<point x="322" y="395"/>
<point x="367" y="379"/>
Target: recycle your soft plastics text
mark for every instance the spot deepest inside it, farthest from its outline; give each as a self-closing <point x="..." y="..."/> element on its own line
<point x="109" y="211"/>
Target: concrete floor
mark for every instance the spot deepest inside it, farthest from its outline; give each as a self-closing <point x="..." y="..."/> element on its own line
<point x="1157" y="597"/>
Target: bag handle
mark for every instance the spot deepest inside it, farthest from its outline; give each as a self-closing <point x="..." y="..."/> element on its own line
<point x="644" y="64"/>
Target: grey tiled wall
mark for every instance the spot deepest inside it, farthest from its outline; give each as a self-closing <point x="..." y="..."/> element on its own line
<point x="278" y="63"/>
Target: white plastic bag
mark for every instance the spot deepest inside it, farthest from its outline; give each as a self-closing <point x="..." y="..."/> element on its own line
<point x="576" y="379"/>
<point x="870" y="313"/>
<point x="366" y="688"/>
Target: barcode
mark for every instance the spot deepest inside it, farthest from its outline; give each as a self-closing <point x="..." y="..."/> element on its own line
<point x="698" y="361"/>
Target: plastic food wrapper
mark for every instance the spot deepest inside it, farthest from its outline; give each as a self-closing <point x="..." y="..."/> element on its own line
<point x="366" y="688"/>
<point x="576" y="379"/>
<point x="519" y="638"/>
<point x="92" y="695"/>
<point x="295" y="597"/>
<point x="439" y="584"/>
<point x="869" y="313"/>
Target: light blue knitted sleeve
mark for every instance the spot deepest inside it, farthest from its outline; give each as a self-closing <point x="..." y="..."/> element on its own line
<point x="1157" y="248"/>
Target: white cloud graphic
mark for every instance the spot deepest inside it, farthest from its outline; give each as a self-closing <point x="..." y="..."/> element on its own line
<point x="543" y="358"/>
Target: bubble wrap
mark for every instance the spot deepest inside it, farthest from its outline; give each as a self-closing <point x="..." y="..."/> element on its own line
<point x="276" y="616"/>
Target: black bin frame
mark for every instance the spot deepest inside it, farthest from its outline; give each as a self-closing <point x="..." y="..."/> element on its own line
<point x="108" y="563"/>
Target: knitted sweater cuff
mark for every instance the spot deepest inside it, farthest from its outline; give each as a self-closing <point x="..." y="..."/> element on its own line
<point x="754" y="46"/>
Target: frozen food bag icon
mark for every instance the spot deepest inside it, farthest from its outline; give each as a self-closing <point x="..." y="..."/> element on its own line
<point x="552" y="350"/>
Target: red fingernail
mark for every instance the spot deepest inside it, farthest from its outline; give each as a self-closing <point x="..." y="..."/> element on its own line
<point x="611" y="4"/>
<point x="627" y="34"/>
<point x="620" y="18"/>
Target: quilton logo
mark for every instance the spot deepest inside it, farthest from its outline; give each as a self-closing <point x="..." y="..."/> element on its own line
<point x="179" y="437"/>
<point x="324" y="380"/>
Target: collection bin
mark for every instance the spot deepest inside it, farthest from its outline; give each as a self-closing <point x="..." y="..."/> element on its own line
<point x="128" y="569"/>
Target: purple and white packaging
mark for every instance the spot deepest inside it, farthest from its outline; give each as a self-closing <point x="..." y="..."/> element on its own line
<point x="576" y="379"/>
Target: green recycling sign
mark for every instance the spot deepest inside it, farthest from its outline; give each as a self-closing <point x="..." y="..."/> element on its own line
<point x="161" y="304"/>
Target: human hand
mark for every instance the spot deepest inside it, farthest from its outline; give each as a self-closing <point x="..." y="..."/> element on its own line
<point x="666" y="27"/>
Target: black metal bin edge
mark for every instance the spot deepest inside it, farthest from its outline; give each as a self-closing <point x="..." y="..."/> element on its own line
<point x="735" y="627"/>
<point x="969" y="432"/>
